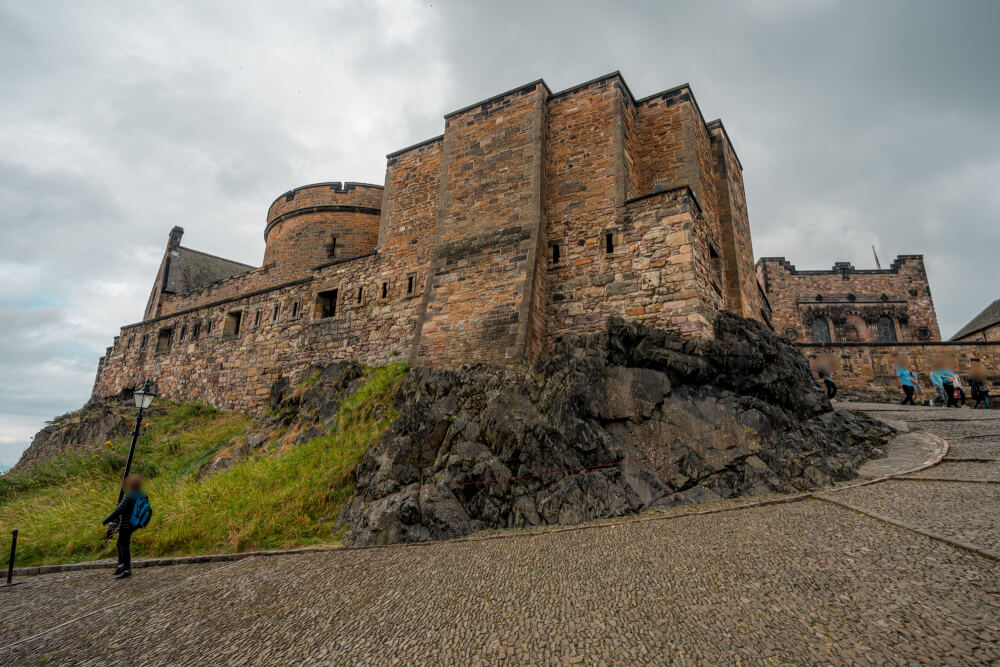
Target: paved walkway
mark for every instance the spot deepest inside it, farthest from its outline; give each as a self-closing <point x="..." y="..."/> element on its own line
<point x="866" y="574"/>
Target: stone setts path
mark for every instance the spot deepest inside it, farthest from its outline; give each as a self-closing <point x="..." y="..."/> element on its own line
<point x="877" y="571"/>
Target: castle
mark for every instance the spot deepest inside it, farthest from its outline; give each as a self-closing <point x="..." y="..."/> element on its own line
<point x="535" y="215"/>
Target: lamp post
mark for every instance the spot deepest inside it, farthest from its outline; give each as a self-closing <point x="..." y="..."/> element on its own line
<point x="143" y="399"/>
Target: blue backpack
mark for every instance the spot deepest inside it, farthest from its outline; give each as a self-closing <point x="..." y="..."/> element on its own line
<point x="141" y="512"/>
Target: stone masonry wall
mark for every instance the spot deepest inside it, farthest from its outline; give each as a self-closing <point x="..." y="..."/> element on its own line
<point x="281" y="333"/>
<point x="871" y="367"/>
<point x="742" y="291"/>
<point x="477" y="302"/>
<point x="851" y="300"/>
<point x="580" y="206"/>
<point x="410" y="209"/>
<point x="230" y="288"/>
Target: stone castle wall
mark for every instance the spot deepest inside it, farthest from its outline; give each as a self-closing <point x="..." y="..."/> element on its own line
<point x="477" y="305"/>
<point x="850" y="303"/>
<point x="871" y="367"/>
<point x="534" y="216"/>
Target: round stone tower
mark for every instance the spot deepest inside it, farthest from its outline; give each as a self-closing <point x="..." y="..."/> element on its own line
<point x="321" y="223"/>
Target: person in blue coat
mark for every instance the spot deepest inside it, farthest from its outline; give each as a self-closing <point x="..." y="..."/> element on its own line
<point x="121" y="516"/>
<point x="905" y="381"/>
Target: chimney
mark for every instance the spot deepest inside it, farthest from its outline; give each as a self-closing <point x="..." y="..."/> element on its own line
<point x="174" y="241"/>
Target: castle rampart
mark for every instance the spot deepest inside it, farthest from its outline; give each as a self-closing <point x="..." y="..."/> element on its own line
<point x="535" y="215"/>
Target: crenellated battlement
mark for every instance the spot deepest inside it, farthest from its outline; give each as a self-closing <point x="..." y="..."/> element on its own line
<point x="845" y="304"/>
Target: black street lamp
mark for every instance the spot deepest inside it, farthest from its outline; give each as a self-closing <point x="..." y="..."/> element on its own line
<point x="143" y="399"/>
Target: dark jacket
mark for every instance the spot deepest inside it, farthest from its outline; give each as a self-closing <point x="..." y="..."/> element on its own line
<point x="123" y="511"/>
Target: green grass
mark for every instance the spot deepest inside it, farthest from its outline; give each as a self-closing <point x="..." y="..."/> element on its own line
<point x="282" y="499"/>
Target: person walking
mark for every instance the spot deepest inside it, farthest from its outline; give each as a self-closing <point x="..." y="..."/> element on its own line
<point x="957" y="381"/>
<point x="938" y="384"/>
<point x="977" y="385"/>
<point x="918" y="391"/>
<point x="905" y="381"/>
<point x="131" y="513"/>
<point x="948" y="382"/>
<point x="826" y="375"/>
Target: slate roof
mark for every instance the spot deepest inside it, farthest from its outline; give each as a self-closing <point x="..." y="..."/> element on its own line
<point x="191" y="269"/>
<point x="987" y="318"/>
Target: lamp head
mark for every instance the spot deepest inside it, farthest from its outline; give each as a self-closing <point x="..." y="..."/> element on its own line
<point x="143" y="397"/>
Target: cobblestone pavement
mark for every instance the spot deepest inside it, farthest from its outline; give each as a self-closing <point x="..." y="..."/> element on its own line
<point x="808" y="582"/>
<point x="973" y="448"/>
<point x="973" y="472"/>
<point x="965" y="512"/>
<point x="37" y="602"/>
<point x="908" y="451"/>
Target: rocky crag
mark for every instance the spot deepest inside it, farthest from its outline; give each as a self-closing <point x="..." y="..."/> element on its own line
<point x="608" y="424"/>
<point x="80" y="430"/>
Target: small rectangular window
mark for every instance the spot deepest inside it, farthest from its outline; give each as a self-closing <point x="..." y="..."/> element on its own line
<point x="231" y="325"/>
<point x="163" y="341"/>
<point x="385" y="290"/>
<point x="180" y="336"/>
<point x="361" y="295"/>
<point x="208" y="327"/>
<point x="331" y="250"/>
<point x="609" y="243"/>
<point x="143" y="342"/>
<point x="715" y="265"/>
<point x="275" y="313"/>
<point x="256" y="319"/>
<point x="195" y="330"/>
<point x="326" y="304"/>
<point x="555" y="253"/>
<point x="295" y="310"/>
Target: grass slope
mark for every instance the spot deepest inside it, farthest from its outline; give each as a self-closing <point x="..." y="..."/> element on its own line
<point x="287" y="499"/>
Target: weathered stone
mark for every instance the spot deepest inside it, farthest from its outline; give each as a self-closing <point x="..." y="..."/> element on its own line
<point x="82" y="430"/>
<point x="610" y="423"/>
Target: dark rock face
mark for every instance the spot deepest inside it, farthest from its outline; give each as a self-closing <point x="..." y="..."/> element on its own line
<point x="608" y="424"/>
<point x="83" y="429"/>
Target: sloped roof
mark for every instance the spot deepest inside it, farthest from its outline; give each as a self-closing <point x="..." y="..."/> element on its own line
<point x="987" y="318"/>
<point x="190" y="269"/>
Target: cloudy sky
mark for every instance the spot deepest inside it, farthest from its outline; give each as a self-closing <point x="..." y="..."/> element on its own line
<point x="857" y="123"/>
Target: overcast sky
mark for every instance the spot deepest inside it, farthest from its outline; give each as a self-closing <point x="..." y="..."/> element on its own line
<point x="857" y="123"/>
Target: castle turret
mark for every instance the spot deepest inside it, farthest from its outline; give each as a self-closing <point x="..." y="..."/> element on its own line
<point x="319" y="224"/>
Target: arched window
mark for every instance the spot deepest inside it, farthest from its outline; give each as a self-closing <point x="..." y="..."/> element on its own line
<point x="886" y="330"/>
<point x="821" y="330"/>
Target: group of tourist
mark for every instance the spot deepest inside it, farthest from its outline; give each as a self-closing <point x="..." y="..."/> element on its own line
<point x="948" y="387"/>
